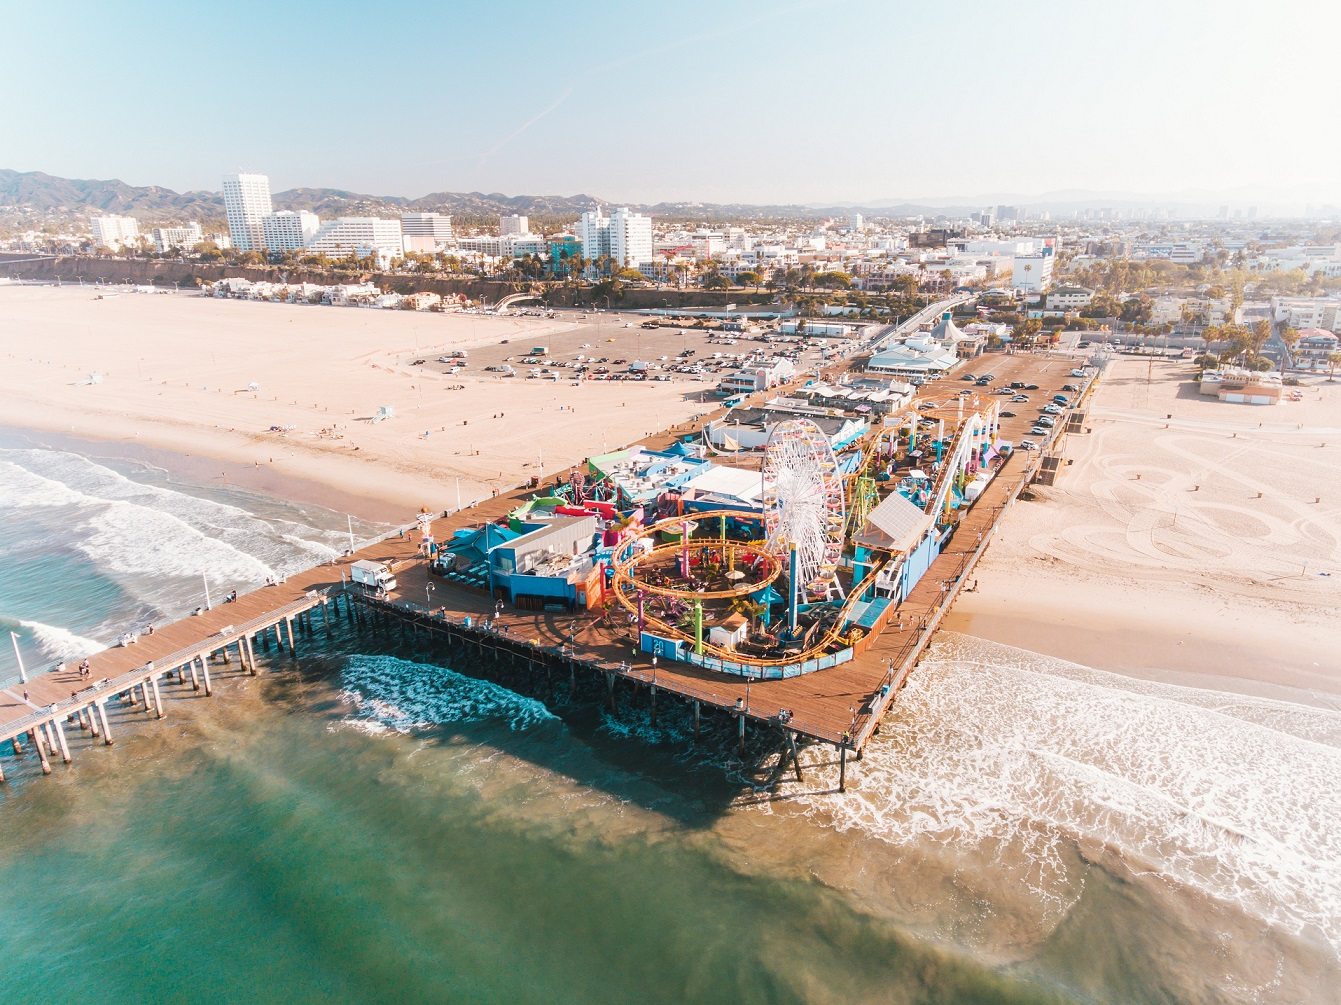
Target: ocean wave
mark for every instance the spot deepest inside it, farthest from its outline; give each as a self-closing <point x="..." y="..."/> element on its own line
<point x="407" y="697"/>
<point x="138" y="529"/>
<point x="998" y="748"/>
<point x="60" y="643"/>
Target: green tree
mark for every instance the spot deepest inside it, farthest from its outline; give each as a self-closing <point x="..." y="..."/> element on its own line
<point x="749" y="278"/>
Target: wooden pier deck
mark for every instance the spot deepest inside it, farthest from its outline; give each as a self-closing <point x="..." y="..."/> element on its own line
<point x="842" y="705"/>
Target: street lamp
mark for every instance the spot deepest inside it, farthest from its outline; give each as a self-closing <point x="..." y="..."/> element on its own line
<point x="428" y="595"/>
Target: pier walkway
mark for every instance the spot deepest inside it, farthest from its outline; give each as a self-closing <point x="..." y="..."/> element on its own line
<point x="842" y="705"/>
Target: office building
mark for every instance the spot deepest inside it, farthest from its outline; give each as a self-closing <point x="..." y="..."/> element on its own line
<point x="1032" y="273"/>
<point x="246" y="204"/>
<point x="115" y="231"/>
<point x="181" y="238"/>
<point x="289" y="230"/>
<point x="511" y="225"/>
<point x="363" y="236"/>
<point x="431" y="225"/>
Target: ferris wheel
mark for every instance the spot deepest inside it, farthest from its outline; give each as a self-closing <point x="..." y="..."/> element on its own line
<point x="803" y="502"/>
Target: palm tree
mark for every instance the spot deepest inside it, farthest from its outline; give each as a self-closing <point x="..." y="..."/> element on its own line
<point x="1333" y="361"/>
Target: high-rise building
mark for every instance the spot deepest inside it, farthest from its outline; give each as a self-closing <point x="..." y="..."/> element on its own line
<point x="289" y="230"/>
<point x="359" y="235"/>
<point x="593" y="233"/>
<point x="246" y="204"/>
<point x="184" y="238"/>
<point x="115" y="231"/>
<point x="856" y="223"/>
<point x="508" y="225"/>
<point x="434" y="225"/>
<point x="630" y="238"/>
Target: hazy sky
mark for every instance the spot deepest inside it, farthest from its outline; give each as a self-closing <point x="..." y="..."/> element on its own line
<point x="805" y="101"/>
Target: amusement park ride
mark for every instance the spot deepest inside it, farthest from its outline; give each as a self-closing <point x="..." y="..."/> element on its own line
<point x="788" y="589"/>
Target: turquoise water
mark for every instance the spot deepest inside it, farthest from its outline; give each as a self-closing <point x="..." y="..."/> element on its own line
<point x="374" y="823"/>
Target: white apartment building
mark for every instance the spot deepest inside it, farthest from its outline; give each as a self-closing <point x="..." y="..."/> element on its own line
<point x="359" y="235"/>
<point x="185" y="238"/>
<point x="1031" y="273"/>
<point x="1069" y="298"/>
<point x="114" y="231"/>
<point x="509" y="226"/>
<point x="593" y="231"/>
<point x="434" y="225"/>
<point x="630" y="238"/>
<point x="246" y="204"/>
<point x="1307" y="312"/>
<point x="289" y="230"/>
<point x="624" y="235"/>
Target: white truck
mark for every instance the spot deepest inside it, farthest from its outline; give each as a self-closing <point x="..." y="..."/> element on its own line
<point x="373" y="575"/>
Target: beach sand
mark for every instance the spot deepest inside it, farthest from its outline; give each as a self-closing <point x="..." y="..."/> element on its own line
<point x="1154" y="554"/>
<point x="176" y="369"/>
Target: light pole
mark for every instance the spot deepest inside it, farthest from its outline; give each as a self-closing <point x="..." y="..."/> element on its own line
<point x="350" y="518"/>
<point x="206" y="580"/>
<point x="428" y="595"/>
<point x="23" y="672"/>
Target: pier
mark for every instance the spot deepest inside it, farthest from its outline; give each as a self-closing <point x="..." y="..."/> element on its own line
<point x="841" y="706"/>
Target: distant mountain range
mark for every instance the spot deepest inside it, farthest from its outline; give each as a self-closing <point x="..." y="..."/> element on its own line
<point x="28" y="192"/>
<point x="25" y="194"/>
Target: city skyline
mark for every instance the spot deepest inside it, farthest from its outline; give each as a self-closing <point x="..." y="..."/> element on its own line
<point x="809" y="102"/>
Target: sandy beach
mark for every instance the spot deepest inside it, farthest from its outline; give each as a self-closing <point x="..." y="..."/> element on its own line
<point x="176" y="371"/>
<point x="1188" y="549"/>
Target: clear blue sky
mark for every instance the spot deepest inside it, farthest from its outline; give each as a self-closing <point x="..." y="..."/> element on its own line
<point x="795" y="101"/>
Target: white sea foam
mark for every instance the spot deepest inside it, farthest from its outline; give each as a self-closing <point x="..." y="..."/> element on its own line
<point x="408" y="697"/>
<point x="1236" y="797"/>
<point x="60" y="643"/>
<point x="146" y="530"/>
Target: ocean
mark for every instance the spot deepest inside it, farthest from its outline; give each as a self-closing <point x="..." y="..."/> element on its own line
<point x="375" y="822"/>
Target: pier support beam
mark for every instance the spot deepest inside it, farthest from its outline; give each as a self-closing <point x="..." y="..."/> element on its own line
<point x="741" y="744"/>
<point x="41" y="754"/>
<point x="696" y="716"/>
<point x="195" y="677"/>
<point x="60" y="738"/>
<point x="102" y="719"/>
<point x="654" y="704"/>
<point x="18" y="746"/>
<point x="796" y="755"/>
<point x="842" y="769"/>
<point x="288" y="624"/>
<point x="158" y="698"/>
<point x="92" y="714"/>
<point x="251" y="656"/>
<point x="610" y="687"/>
<point x="205" y="671"/>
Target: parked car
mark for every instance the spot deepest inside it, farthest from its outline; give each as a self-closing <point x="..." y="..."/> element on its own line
<point x="1046" y="421"/>
<point x="1061" y="399"/>
<point x="1028" y="445"/>
<point x="1016" y="385"/>
<point x="1039" y="431"/>
<point x="969" y="377"/>
<point x="1070" y="387"/>
<point x="1077" y="373"/>
<point x="1053" y="409"/>
<point x="1007" y="415"/>
<point x="1031" y="387"/>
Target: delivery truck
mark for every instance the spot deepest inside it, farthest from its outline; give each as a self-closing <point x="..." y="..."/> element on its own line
<point x="374" y="576"/>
